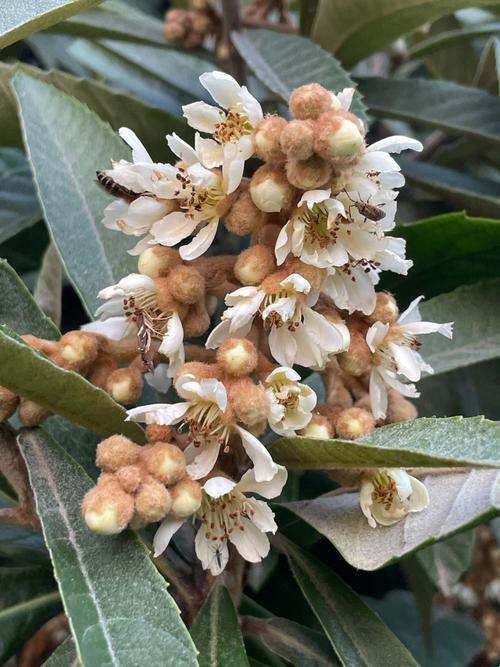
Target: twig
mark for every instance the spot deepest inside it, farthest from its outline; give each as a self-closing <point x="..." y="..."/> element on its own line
<point x="13" y="468"/>
<point x="232" y="23"/>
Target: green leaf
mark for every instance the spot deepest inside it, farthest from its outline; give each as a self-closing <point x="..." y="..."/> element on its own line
<point x="32" y="375"/>
<point x="27" y="600"/>
<point x="428" y="441"/>
<point x="358" y="636"/>
<point x="488" y="71"/>
<point x="23" y="545"/>
<point x="66" y="143"/>
<point x="275" y="60"/>
<point x="478" y="196"/>
<point x="20" y="19"/>
<point x="114" y="107"/>
<point x="63" y="656"/>
<point x="298" y="644"/>
<point x="216" y="632"/>
<point x="48" y="288"/>
<point x="119" y="610"/>
<point x="458" y="500"/>
<point x="476" y="334"/>
<point x="78" y="442"/>
<point x="449" y="37"/>
<point x="354" y="30"/>
<point x="455" y="109"/>
<point x="448" y="251"/>
<point x="19" y="207"/>
<point x="18" y="309"/>
<point x="446" y="561"/>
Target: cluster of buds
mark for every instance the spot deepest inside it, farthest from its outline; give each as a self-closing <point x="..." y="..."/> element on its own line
<point x="139" y="485"/>
<point x="190" y="28"/>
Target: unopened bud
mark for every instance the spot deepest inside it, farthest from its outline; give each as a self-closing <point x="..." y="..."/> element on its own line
<point x="201" y="22"/>
<point x="31" y="413"/>
<point x="337" y="136"/>
<point x="158" y="433"/>
<point x="314" y="275"/>
<point x="297" y="139"/>
<point x="354" y="423"/>
<point x="248" y="400"/>
<point x="270" y="189"/>
<point x="152" y="501"/>
<point x="125" y="385"/>
<point x="197" y="320"/>
<point x="244" y="216"/>
<point x="308" y="174"/>
<point x="129" y="477"/>
<point x="386" y="309"/>
<point x="309" y="101"/>
<point x="399" y="409"/>
<point x="186" y="498"/>
<point x="8" y="403"/>
<point x="186" y="284"/>
<point x="164" y="461"/>
<point x="357" y="360"/>
<point x="77" y="350"/>
<point x="107" y="509"/>
<point x="158" y="261"/>
<point x="115" y="452"/>
<point x="267" y="235"/>
<point x="174" y="31"/>
<point x="319" y="427"/>
<point x="237" y="357"/>
<point x="267" y="139"/>
<point x="165" y="299"/>
<point x="254" y="264"/>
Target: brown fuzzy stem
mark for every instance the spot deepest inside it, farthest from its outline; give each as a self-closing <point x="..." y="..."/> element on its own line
<point x="13" y="468"/>
<point x="198" y="353"/>
<point x="216" y="270"/>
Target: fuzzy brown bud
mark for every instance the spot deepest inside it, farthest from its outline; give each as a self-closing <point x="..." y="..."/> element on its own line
<point x="319" y="427"/>
<point x="254" y="264"/>
<point x="107" y="508"/>
<point x="186" y="284"/>
<point x="197" y="320"/>
<point x="357" y="359"/>
<point x="386" y="309"/>
<point x="297" y="139"/>
<point x="158" y="261"/>
<point x="237" y="357"/>
<point x="165" y="299"/>
<point x="31" y="413"/>
<point x="77" y="350"/>
<point x="354" y="423"/>
<point x="8" y="403"/>
<point x="399" y="409"/>
<point x="186" y="498"/>
<point x="125" y="385"/>
<point x="164" y="461"/>
<point x="338" y="136"/>
<point x="244" y="216"/>
<point x="198" y="369"/>
<point x="152" y="501"/>
<point x="308" y="174"/>
<point x="270" y="189"/>
<point x="267" y="139"/>
<point x="129" y="478"/>
<point x="115" y="452"/>
<point x="309" y="101"/>
<point x="158" y="433"/>
<point x="248" y="401"/>
<point x="267" y="235"/>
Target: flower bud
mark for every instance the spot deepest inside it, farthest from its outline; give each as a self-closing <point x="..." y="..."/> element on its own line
<point x="125" y="385"/>
<point x="102" y="369"/>
<point x="297" y="139"/>
<point x="48" y="347"/>
<point x="319" y="427"/>
<point x="357" y="360"/>
<point x="267" y="235"/>
<point x="77" y="350"/>
<point x="337" y="136"/>
<point x="157" y="261"/>
<point x="197" y="320"/>
<point x="198" y="369"/>
<point x="254" y="264"/>
<point x="399" y="409"/>
<point x="115" y="452"/>
<point x="309" y="101"/>
<point x="165" y="299"/>
<point x="152" y="501"/>
<point x="312" y="274"/>
<point x="164" y="461"/>
<point x="158" y="433"/>
<point x="266" y="139"/>
<point x="353" y="423"/>
<point x="270" y="189"/>
<point x="186" y="284"/>
<point x="129" y="477"/>
<point x="248" y="401"/>
<point x="308" y="174"/>
<point x="237" y="357"/>
<point x="186" y="498"/>
<point x="386" y="309"/>
<point x="200" y="22"/>
<point x="244" y="216"/>
<point x="174" y="31"/>
<point x="31" y="413"/>
<point x="8" y="403"/>
<point x="107" y="509"/>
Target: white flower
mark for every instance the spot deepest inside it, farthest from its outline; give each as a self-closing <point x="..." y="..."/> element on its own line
<point x="389" y="495"/>
<point x="297" y="333"/>
<point x="395" y="351"/>
<point x="228" y="515"/>
<point x="231" y="143"/>
<point x="131" y="308"/>
<point x="204" y="415"/>
<point x="290" y="403"/>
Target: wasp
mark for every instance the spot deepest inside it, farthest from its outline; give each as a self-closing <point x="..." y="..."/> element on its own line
<point x="114" y="188"/>
<point x="369" y="211"/>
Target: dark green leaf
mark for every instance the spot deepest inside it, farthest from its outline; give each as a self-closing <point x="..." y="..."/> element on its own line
<point x="446" y="561"/>
<point x="32" y="375"/>
<point x="216" y="632"/>
<point x="119" y="609"/>
<point x="63" y="656"/>
<point x="78" y="442"/>
<point x="274" y="59"/>
<point x="488" y="71"/>
<point x="48" y="288"/>
<point x="451" y="37"/>
<point x="19" y="207"/>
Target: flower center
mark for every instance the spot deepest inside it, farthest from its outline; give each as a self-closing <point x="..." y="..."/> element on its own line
<point x="318" y="229"/>
<point x="142" y="310"/>
<point x="275" y="318"/>
<point x="385" y="490"/>
<point x="222" y="516"/>
<point x="234" y="126"/>
<point x="366" y="264"/>
<point x="204" y="423"/>
<point x="197" y="199"/>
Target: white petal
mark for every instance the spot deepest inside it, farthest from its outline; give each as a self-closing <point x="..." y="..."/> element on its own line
<point x="202" y="116"/>
<point x="158" y="413"/>
<point x="139" y="153"/>
<point x="263" y="516"/>
<point x="366" y="501"/>
<point x="159" y="379"/>
<point x="173" y="228"/>
<point x="282" y="345"/>
<point x="173" y="337"/>
<point x="283" y="243"/>
<point x="116" y="328"/>
<point x="429" y="327"/>
<point x="213" y="555"/>
<point x="395" y="144"/>
<point x="376" y="334"/>
<point x="297" y="283"/>
<point x="411" y="314"/>
<point x="251" y="106"/>
<point x="232" y="171"/>
<point x="218" y="486"/>
<point x="222" y="87"/>
<point x="378" y="395"/>
<point x="286" y="371"/>
<point x="402" y="480"/>
<point x="406" y="361"/>
<point x="163" y="535"/>
<point x="264" y="466"/>
<point x="204" y="460"/>
<point x="182" y="149"/>
<point x="251" y="543"/>
<point x="211" y="153"/>
<point x="218" y="335"/>
<point x="419" y="498"/>
<point x="270" y="489"/>
<point x="345" y="98"/>
<point x="312" y="197"/>
<point x="200" y="243"/>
